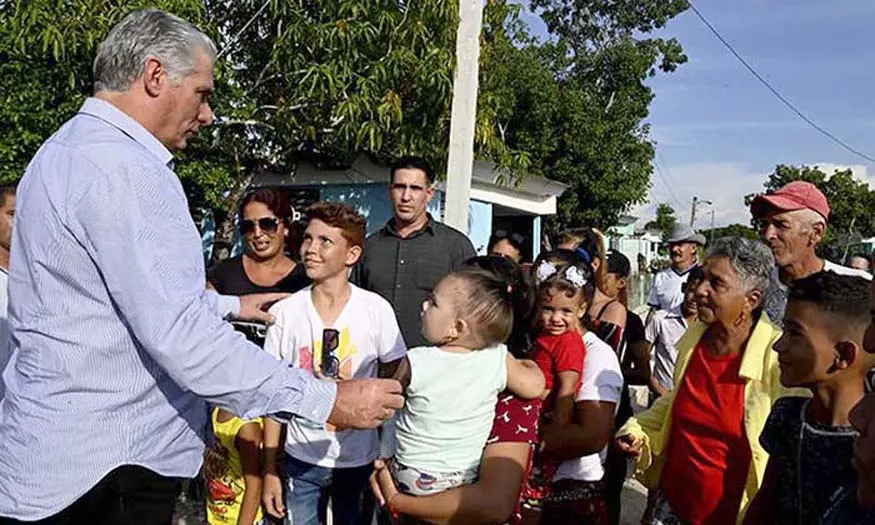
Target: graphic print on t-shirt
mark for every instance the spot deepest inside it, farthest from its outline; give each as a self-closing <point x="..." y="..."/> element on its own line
<point x="312" y="359"/>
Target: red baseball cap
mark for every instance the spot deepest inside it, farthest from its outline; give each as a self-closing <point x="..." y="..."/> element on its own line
<point x="796" y="195"/>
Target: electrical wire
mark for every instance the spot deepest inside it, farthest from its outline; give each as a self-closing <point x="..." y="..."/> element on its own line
<point x="775" y="92"/>
<point x="665" y="181"/>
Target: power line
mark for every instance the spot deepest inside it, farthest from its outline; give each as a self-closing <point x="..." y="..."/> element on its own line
<point x="775" y="92"/>
<point x="665" y="180"/>
<point x="666" y="183"/>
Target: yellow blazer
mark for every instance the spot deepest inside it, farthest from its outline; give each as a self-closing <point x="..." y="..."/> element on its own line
<point x="759" y="368"/>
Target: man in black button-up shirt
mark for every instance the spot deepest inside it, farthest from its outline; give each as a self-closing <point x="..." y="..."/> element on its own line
<point x="412" y="252"/>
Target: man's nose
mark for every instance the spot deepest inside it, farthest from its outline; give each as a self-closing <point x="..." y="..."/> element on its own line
<point x="206" y="115"/>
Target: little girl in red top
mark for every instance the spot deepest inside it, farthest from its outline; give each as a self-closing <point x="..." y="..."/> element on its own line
<point x="565" y="289"/>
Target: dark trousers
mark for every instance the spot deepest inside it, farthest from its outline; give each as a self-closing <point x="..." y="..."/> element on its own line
<point x="129" y="495"/>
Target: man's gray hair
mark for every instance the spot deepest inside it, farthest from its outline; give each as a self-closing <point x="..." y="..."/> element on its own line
<point x="752" y="260"/>
<point x="810" y="217"/>
<point x="148" y="33"/>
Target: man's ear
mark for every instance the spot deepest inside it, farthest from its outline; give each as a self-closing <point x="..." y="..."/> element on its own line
<point x="155" y="77"/>
<point x="818" y="230"/>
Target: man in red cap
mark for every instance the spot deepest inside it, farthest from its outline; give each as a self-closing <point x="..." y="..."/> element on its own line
<point x="792" y="221"/>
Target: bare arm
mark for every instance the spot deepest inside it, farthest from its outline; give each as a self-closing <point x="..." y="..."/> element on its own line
<point x="636" y="363"/>
<point x="272" y="493"/>
<point x="655" y="385"/>
<point x="524" y="378"/>
<point x="563" y="411"/>
<point x="615" y="314"/>
<point x="593" y="427"/>
<point x="492" y="499"/>
<point x="249" y="445"/>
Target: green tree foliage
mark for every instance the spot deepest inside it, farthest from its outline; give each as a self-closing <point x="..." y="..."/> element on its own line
<point x="324" y="81"/>
<point x="665" y="220"/>
<point x="328" y="81"/>
<point x="580" y="100"/>
<point x="850" y="202"/>
<point x="733" y="230"/>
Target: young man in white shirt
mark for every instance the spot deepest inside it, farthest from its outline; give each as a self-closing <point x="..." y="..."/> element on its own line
<point x="664" y="330"/>
<point x="338" y="331"/>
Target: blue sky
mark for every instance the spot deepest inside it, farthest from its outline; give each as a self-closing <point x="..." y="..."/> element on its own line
<point x="719" y="132"/>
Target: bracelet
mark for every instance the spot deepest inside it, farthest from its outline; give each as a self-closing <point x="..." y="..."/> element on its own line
<point x="392" y="510"/>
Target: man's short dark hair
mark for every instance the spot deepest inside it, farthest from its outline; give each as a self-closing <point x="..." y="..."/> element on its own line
<point x="847" y="296"/>
<point x="413" y="163"/>
<point x="7" y="190"/>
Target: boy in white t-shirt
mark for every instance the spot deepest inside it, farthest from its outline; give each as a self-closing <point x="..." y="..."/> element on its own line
<point x="338" y="331"/>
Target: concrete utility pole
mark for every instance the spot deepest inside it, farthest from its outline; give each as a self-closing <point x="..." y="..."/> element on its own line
<point x="464" y="114"/>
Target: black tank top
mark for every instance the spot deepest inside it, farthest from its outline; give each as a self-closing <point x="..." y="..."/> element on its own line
<point x="229" y="278"/>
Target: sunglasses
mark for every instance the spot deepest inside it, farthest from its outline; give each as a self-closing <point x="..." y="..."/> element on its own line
<point x="265" y="224"/>
<point x="514" y="237"/>
<point x="330" y="364"/>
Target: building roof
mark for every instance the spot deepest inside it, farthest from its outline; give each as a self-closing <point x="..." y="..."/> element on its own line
<point x="532" y="195"/>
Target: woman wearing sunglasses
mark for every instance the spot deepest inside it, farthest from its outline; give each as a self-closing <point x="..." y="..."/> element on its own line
<point x="265" y="225"/>
<point x="232" y="464"/>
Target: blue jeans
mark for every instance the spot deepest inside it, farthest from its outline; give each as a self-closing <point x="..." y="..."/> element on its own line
<point x="309" y="488"/>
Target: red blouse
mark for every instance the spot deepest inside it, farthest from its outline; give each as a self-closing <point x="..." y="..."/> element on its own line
<point x="708" y="456"/>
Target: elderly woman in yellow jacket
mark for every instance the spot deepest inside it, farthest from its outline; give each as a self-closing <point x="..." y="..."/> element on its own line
<point x="698" y="447"/>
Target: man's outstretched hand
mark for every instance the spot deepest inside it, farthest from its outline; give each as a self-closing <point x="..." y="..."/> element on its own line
<point x="365" y="403"/>
<point x="253" y="307"/>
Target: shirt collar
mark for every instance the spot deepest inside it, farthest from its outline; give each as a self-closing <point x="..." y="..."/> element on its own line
<point x="688" y="270"/>
<point x="115" y="117"/>
<point x="428" y="228"/>
<point x="756" y="352"/>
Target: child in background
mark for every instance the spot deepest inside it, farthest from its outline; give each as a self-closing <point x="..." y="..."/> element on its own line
<point x="810" y="441"/>
<point x="232" y="470"/>
<point x="452" y="387"/>
<point x="564" y="292"/>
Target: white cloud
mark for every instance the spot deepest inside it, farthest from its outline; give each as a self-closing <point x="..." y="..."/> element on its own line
<point x="723" y="183"/>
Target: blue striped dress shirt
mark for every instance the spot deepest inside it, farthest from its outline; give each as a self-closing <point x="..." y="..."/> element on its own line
<point x="116" y="345"/>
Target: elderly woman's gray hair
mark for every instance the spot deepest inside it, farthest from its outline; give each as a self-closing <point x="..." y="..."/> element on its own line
<point x="752" y="260"/>
<point x="148" y="33"/>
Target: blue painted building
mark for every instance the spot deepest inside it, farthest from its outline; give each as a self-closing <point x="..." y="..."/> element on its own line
<point x="494" y="204"/>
